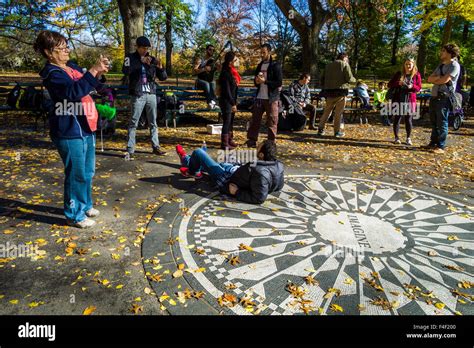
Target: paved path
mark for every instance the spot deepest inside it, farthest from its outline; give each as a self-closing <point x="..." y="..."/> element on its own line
<point x="277" y="244"/>
<point x="324" y="245"/>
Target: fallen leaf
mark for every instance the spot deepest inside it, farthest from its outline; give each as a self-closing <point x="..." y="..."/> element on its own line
<point x="310" y="280"/>
<point x="245" y="247"/>
<point x="336" y="308"/>
<point x="234" y="260"/>
<point x="136" y="308"/>
<point x="178" y="273"/>
<point x="89" y="310"/>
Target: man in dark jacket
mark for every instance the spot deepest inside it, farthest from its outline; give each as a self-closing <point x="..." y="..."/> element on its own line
<point x="142" y="69"/>
<point x="268" y="79"/>
<point x="250" y="182"/>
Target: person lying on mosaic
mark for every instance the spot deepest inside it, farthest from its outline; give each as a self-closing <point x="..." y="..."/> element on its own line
<point x="250" y="182"/>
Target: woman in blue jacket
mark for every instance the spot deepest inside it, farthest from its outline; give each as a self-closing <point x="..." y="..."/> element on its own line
<point x="73" y="122"/>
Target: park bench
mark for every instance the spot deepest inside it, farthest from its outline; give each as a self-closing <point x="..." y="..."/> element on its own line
<point x="37" y="113"/>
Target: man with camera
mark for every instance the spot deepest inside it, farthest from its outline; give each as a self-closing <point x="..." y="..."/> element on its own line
<point x="444" y="80"/>
<point x="142" y="70"/>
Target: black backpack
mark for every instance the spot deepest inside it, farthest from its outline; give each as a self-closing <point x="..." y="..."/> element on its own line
<point x="31" y="99"/>
<point x="14" y="96"/>
<point x="292" y="117"/>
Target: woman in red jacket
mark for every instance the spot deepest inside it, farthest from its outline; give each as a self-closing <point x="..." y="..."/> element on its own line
<point x="405" y="86"/>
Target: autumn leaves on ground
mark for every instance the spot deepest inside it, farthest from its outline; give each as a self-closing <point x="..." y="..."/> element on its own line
<point x="100" y="271"/>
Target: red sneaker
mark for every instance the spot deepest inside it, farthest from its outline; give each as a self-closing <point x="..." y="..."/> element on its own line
<point x="185" y="172"/>
<point x="180" y="151"/>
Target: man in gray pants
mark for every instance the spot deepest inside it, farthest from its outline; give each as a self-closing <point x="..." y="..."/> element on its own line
<point x="142" y="69"/>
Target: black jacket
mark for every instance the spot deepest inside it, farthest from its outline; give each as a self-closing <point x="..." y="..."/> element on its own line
<point x="255" y="182"/>
<point x="132" y="67"/>
<point x="274" y="79"/>
<point x="228" y="91"/>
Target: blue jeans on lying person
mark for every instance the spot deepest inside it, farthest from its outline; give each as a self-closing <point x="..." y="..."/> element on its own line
<point x="200" y="160"/>
<point x="78" y="156"/>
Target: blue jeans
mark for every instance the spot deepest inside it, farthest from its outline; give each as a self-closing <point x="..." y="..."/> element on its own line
<point x="147" y="102"/>
<point x="439" y="115"/>
<point x="209" y="89"/>
<point x="201" y="161"/>
<point x="78" y="156"/>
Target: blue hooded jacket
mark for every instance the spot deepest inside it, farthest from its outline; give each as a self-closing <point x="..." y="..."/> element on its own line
<point x="62" y="89"/>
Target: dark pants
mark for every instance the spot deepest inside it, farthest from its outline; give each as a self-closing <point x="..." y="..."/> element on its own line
<point x="209" y="89"/>
<point x="408" y="124"/>
<point x="439" y="114"/>
<point x="271" y="109"/>
<point x="312" y="114"/>
<point x="227" y="117"/>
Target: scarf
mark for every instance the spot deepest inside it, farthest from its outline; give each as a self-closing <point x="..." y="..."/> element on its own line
<point x="88" y="105"/>
<point x="236" y="75"/>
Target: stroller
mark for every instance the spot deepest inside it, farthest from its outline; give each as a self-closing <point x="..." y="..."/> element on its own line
<point x="456" y="114"/>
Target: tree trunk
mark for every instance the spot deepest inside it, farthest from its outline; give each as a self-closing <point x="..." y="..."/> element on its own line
<point x="422" y="47"/>
<point x="465" y="32"/>
<point x="309" y="34"/>
<point x="311" y="62"/>
<point x="133" y="17"/>
<point x="355" y="57"/>
<point x="396" y="37"/>
<point x="169" y="42"/>
<point x="421" y="58"/>
<point x="448" y="27"/>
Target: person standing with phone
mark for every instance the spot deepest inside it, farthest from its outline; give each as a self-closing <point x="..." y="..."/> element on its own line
<point x="73" y="122"/>
<point x="142" y="70"/>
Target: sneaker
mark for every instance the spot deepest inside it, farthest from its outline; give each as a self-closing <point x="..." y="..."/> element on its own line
<point x="157" y="151"/>
<point x="212" y="104"/>
<point x="429" y="146"/>
<point x="128" y="157"/>
<point x="339" y="134"/>
<point x="321" y="132"/>
<point x="86" y="223"/>
<point x="185" y="172"/>
<point x="438" y="150"/>
<point x="397" y="141"/>
<point x="408" y="142"/>
<point x="92" y="212"/>
<point x="180" y="151"/>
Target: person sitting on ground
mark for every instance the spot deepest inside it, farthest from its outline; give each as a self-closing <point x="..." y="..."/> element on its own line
<point x="362" y="91"/>
<point x="250" y="182"/>
<point x="380" y="99"/>
<point x="300" y="93"/>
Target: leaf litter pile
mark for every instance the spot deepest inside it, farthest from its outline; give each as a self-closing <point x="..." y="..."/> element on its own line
<point x="100" y="271"/>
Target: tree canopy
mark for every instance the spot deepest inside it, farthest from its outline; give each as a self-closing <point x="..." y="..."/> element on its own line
<point x="306" y="34"/>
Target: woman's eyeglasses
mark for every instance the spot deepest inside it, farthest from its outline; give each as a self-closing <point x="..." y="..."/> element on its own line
<point x="62" y="49"/>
